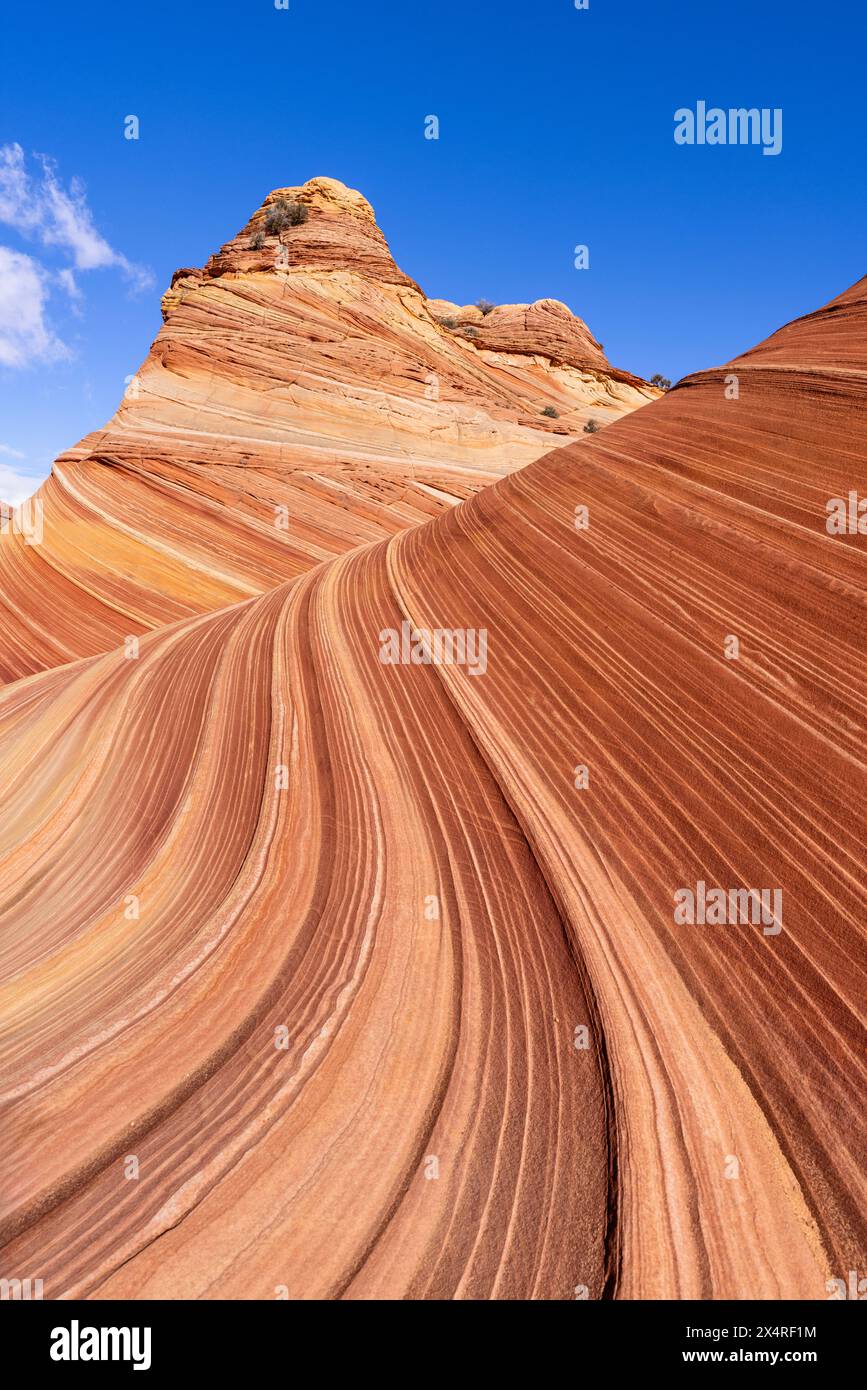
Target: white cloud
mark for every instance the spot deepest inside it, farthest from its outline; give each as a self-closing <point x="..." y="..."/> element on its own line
<point x="17" y="206"/>
<point x="25" y="335"/>
<point x="38" y="205"/>
<point x="10" y="452"/>
<point x="67" y="281"/>
<point x="16" y="487"/>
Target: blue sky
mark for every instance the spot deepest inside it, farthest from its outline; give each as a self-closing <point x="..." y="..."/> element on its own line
<point x="556" y="128"/>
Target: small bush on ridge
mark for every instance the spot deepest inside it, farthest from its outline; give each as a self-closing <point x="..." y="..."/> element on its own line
<point x="284" y="214"/>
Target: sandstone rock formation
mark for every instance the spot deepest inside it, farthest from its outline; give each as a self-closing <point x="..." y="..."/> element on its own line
<point x="300" y="400"/>
<point x="334" y="977"/>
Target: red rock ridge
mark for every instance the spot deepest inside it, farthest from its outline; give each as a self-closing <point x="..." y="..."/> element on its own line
<point x="403" y="1010"/>
<point x="284" y="415"/>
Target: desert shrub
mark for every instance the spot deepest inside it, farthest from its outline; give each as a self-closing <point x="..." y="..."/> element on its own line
<point x="551" y="412"/>
<point x="591" y="427"/>
<point x="471" y="332"/>
<point x="449" y="323"/>
<point x="257" y="241"/>
<point x="661" y="381"/>
<point x="485" y="306"/>
<point x="284" y="214"/>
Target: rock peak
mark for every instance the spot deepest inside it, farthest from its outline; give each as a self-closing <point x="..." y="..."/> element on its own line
<point x="325" y="227"/>
<point x="323" y="192"/>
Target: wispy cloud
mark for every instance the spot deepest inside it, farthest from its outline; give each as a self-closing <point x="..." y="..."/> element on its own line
<point x="68" y="283"/>
<point x="26" y="337"/>
<point x="37" y="205"/>
<point x="16" y="487"/>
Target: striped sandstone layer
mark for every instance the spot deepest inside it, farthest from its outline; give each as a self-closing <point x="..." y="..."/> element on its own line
<point x="300" y="400"/>
<point x="312" y="938"/>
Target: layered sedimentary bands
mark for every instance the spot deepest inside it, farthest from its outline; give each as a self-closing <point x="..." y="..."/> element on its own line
<point x="330" y="976"/>
<point x="302" y="398"/>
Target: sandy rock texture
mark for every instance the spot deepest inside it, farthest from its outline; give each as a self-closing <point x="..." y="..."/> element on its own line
<point x="334" y="978"/>
<point x="300" y="400"/>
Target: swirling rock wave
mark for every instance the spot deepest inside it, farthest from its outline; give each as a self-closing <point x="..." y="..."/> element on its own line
<point x="327" y="977"/>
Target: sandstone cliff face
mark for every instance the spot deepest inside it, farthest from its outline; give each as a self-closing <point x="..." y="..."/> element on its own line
<point x="383" y="1000"/>
<point x="546" y="329"/>
<point x="301" y="399"/>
